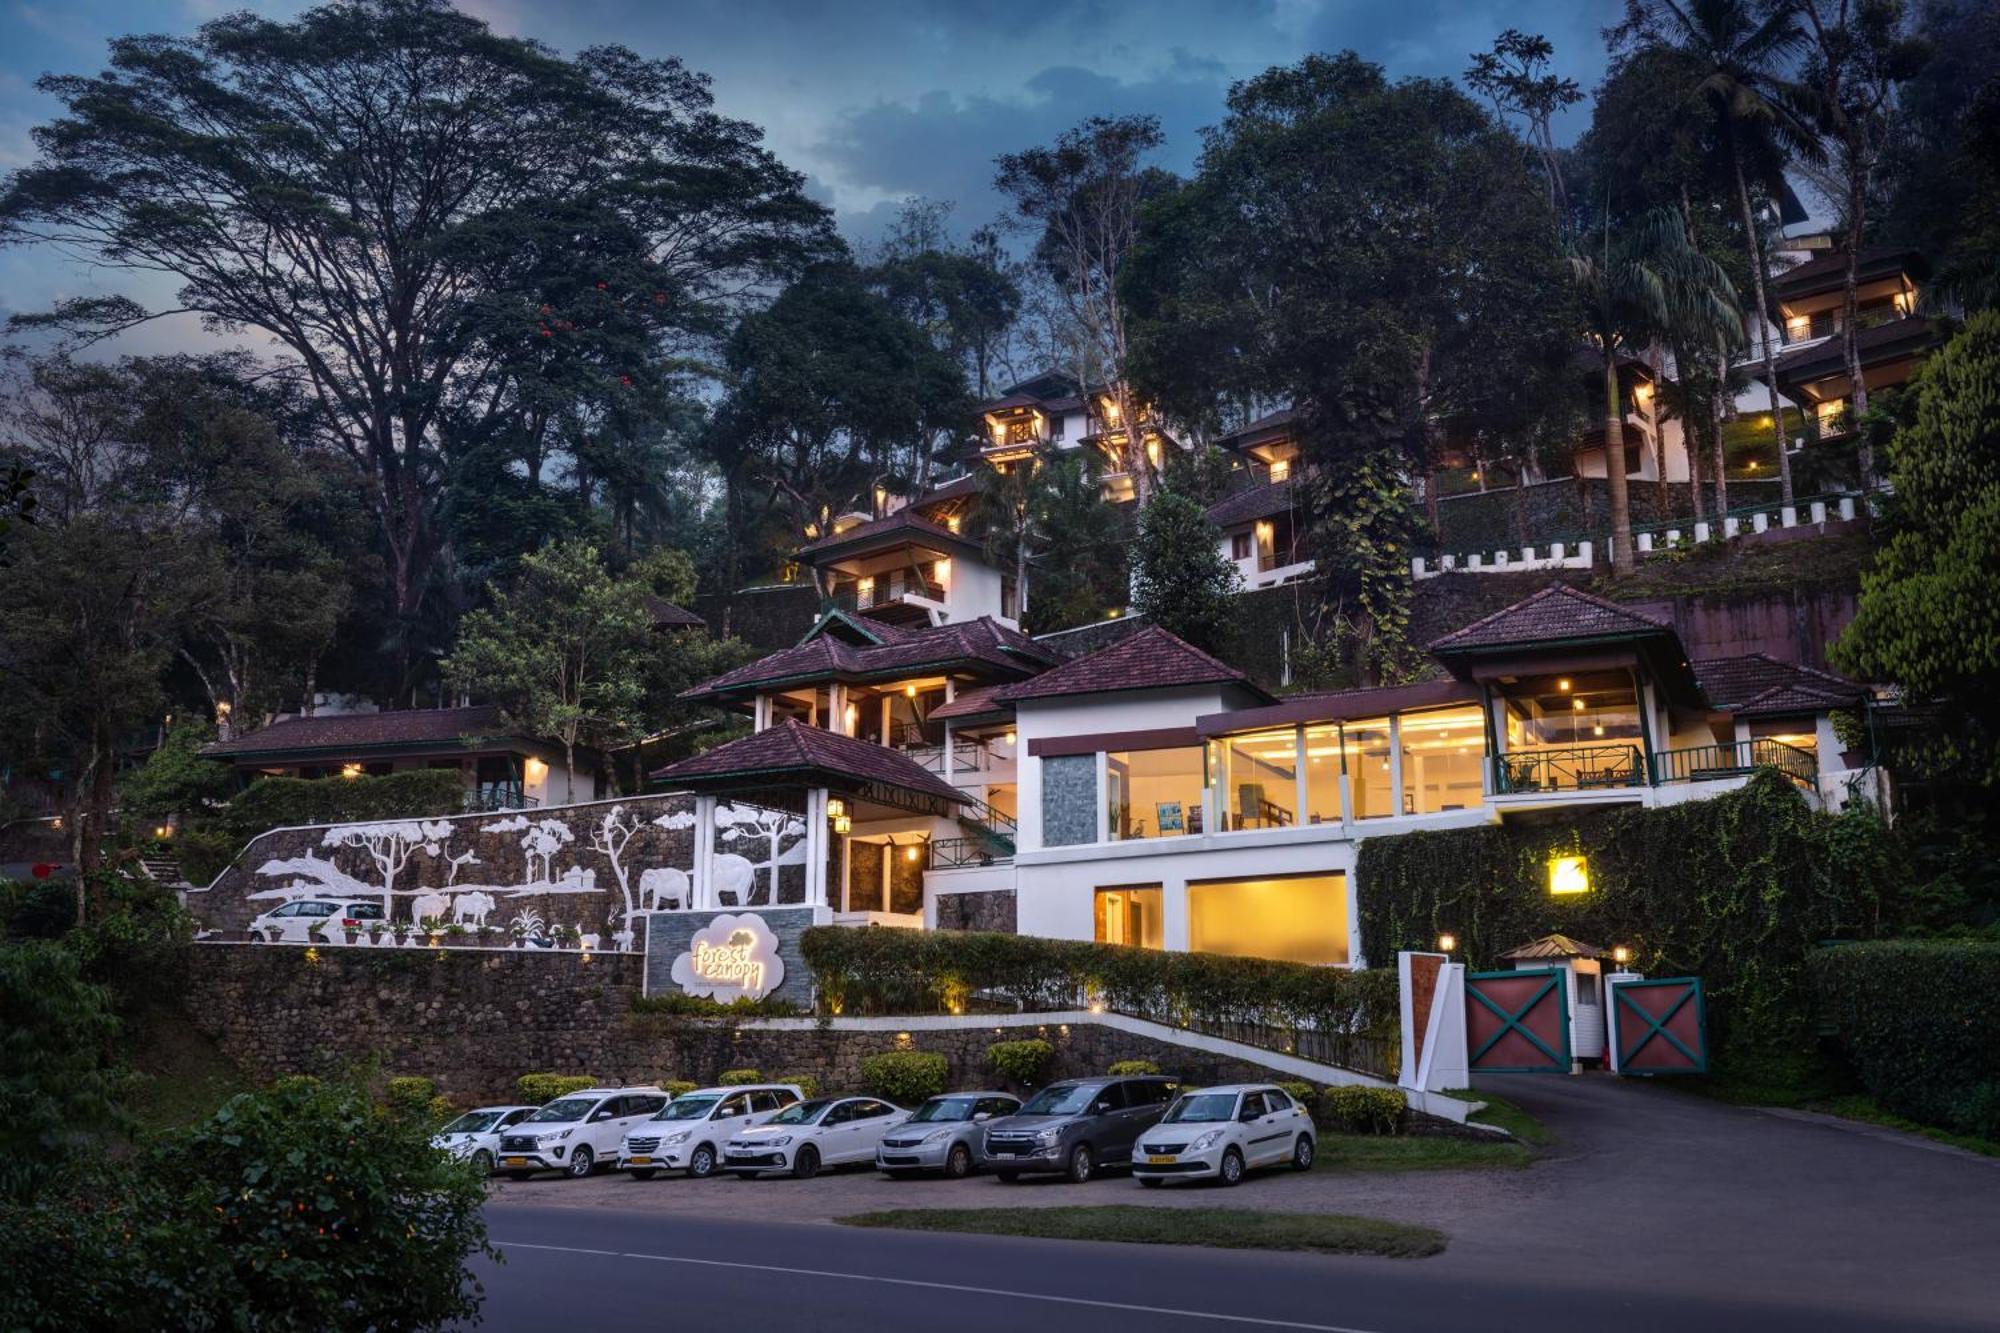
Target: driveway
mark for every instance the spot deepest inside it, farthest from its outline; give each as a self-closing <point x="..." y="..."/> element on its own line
<point x="1647" y="1194"/>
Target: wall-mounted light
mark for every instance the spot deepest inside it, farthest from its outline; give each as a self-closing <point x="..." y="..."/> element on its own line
<point x="836" y="809"/>
<point x="909" y="691"/>
<point x="912" y="852"/>
<point x="1577" y="703"/>
<point x="350" y="770"/>
<point x="1010" y="735"/>
<point x="1447" y="942"/>
<point x="534" y="772"/>
<point x="1621" y="955"/>
<point x="1569" y="874"/>
<point x="1563" y="684"/>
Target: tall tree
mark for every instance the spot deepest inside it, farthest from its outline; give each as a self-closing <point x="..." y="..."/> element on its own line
<point x="964" y="297"/>
<point x="1080" y="198"/>
<point x="378" y="185"/>
<point x="1861" y="53"/>
<point x="1181" y="580"/>
<point x="1515" y="77"/>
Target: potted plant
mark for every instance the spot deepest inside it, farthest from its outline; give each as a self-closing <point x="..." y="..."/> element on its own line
<point x="375" y="932"/>
<point x="567" y="937"/>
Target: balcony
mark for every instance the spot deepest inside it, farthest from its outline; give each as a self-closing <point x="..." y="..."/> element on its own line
<point x="966" y="755"/>
<point x="1713" y="763"/>
<point x="1572" y="768"/>
<point x="899" y="588"/>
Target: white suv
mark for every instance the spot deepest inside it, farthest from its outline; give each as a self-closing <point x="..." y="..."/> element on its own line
<point x="689" y="1133"/>
<point x="1219" y="1133"/>
<point x="573" y="1133"/>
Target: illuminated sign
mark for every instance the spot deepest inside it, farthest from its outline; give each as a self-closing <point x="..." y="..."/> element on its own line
<point x="1569" y="874"/>
<point x="732" y="956"/>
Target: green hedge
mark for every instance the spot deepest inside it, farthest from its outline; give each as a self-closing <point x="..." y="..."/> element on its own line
<point x="1736" y="890"/>
<point x="1021" y="1062"/>
<point x="541" y="1089"/>
<point x="905" y="1077"/>
<point x="270" y="803"/>
<point x="1132" y="1068"/>
<point x="881" y="970"/>
<point x="1919" y="1022"/>
<point x="1363" y="1110"/>
<point x="736" y="1078"/>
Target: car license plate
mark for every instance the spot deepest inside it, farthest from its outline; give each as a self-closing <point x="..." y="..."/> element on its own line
<point x="1160" y="1158"/>
<point x="641" y="1161"/>
<point x="513" y="1161"/>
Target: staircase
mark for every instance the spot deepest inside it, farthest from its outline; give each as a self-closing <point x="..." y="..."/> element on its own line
<point x="993" y="829"/>
<point x="163" y="868"/>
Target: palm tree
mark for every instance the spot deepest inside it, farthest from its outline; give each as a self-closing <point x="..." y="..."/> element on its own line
<point x="1734" y="57"/>
<point x="1634" y="284"/>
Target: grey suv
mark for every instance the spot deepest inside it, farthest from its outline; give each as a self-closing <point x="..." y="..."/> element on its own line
<point x="1077" y="1126"/>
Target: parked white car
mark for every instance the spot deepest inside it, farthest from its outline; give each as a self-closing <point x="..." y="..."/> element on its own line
<point x="475" y="1136"/>
<point x="802" y="1138"/>
<point x="297" y="919"/>
<point x="689" y="1132"/>
<point x="574" y="1133"/>
<point x="1219" y="1133"/>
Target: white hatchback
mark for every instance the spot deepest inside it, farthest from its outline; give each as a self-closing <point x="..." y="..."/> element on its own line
<point x="1219" y="1133"/>
<point x="475" y="1136"/>
<point x="689" y="1133"/>
<point x="575" y="1133"/>
<point x="802" y="1138"/>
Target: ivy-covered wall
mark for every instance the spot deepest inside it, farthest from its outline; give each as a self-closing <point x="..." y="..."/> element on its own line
<point x="1736" y="890"/>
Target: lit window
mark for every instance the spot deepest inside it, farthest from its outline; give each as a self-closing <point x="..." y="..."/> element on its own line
<point x="1281" y="470"/>
<point x="1444" y="755"/>
<point x="1259" y="779"/>
<point x="1154" y="793"/>
<point x="1300" y="919"/>
<point x="1367" y="748"/>
<point x="1130" y="915"/>
<point x="1323" y="774"/>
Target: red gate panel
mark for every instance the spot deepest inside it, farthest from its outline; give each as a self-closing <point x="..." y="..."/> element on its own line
<point x="1518" y="1022"/>
<point x="1659" y="1026"/>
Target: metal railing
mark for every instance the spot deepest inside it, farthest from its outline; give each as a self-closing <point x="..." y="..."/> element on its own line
<point x="955" y="853"/>
<point x="498" y="796"/>
<point x="1705" y="763"/>
<point x="967" y="755"/>
<point x="1574" y="768"/>
<point x="885" y="589"/>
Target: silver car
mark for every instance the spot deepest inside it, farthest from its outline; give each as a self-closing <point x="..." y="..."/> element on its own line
<point x="946" y="1134"/>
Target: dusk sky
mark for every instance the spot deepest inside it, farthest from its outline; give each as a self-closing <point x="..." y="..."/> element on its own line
<point x="876" y="101"/>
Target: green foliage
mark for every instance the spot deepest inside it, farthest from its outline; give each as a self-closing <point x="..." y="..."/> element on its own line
<point x="56" y="1077"/>
<point x="541" y="1089"/>
<point x="1918" y="1022"/>
<point x="733" y="1078"/>
<point x="1127" y="1068"/>
<point x="905" y="1077"/>
<point x="1020" y="1062"/>
<point x="1300" y="1091"/>
<point x="412" y="1096"/>
<point x="1735" y="890"/>
<point x="678" y="1087"/>
<point x="881" y="970"/>
<point x="176" y="779"/>
<point x="1182" y="581"/>
<point x="1927" y="618"/>
<point x="37" y="909"/>
<point x="1358" y="1109"/>
<point x="807" y="1084"/>
<point x="270" y="803"/>
<point x="701" y="1006"/>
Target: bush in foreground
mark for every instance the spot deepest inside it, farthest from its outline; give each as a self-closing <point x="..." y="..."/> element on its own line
<point x="1359" y="1109"/>
<point x="905" y="1077"/>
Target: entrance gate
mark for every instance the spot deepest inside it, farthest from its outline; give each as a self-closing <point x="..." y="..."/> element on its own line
<point x="1659" y="1026"/>
<point x="1518" y="1022"/>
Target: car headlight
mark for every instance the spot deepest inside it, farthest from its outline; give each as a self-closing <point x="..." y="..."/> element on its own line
<point x="937" y="1136"/>
<point x="1051" y="1134"/>
<point x="1205" y="1142"/>
<point x="556" y="1138"/>
<point x="681" y="1137"/>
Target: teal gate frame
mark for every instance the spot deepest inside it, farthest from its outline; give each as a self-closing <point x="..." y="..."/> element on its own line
<point x="1518" y="1022"/>
<point x="1659" y="1026"/>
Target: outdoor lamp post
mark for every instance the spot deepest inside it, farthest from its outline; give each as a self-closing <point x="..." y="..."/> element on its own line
<point x="1447" y="942"/>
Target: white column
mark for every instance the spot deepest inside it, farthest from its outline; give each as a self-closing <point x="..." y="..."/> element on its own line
<point x="703" y="895"/>
<point x="1299" y="774"/>
<point x="887" y="705"/>
<point x="815" y="850"/>
<point x="1395" y="764"/>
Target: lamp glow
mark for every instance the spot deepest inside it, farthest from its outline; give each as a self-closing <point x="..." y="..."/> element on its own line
<point x="1447" y="942"/>
<point x="1569" y="874"/>
<point x="1621" y="955"/>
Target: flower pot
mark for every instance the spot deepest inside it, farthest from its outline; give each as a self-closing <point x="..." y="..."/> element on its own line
<point x="1853" y="759"/>
<point x="352" y="935"/>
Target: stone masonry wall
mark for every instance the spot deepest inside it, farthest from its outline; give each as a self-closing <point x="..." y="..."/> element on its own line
<point x="996" y="909"/>
<point x="476" y="1020"/>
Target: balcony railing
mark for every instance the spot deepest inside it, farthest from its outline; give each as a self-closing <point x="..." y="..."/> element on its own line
<point x="1577" y="768"/>
<point x="956" y="853"/>
<point x="886" y="589"/>
<point x="498" y="796"/>
<point x="966" y="756"/>
<point x="1707" y="763"/>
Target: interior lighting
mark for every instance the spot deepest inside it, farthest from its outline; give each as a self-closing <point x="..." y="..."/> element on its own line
<point x="1563" y="684"/>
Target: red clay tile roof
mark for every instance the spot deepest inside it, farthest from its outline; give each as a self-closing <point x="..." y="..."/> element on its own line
<point x="982" y="644"/>
<point x="334" y="732"/>
<point x="1556" y="613"/>
<point x="1735" y="682"/>
<point x="1790" y="700"/>
<point x="1247" y="506"/>
<point x="899" y="526"/>
<point x="791" y="750"/>
<point x="668" y="616"/>
<point x="972" y="703"/>
<point x="1148" y="660"/>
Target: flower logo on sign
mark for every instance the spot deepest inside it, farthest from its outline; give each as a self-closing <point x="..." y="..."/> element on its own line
<point x="731" y="956"/>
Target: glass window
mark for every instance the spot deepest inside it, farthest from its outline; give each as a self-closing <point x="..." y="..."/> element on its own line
<point x="1061" y="1099"/>
<point x="1253" y="1106"/>
<point x="739" y="1104"/>
<point x="1111" y="1097"/>
<point x="1584" y="710"/>
<point x="1277" y="1100"/>
<point x="1202" y="1108"/>
<point x="1302" y="918"/>
<point x="1149" y="1093"/>
<point x="1259" y="779"/>
<point x="1367" y="751"/>
<point x="687" y="1108"/>
<point x="802" y="1113"/>
<point x="1323" y="774"/>
<point x="1444" y="757"/>
<point x="1131" y="915"/>
<point x="1154" y="793"/>
<point x="1239" y="546"/>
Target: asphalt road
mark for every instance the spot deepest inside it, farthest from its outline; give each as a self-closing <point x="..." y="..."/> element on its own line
<point x="1655" y="1210"/>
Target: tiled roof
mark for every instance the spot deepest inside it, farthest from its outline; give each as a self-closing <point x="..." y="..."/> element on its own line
<point x="1554" y="946"/>
<point x="1149" y="659"/>
<point x="1556" y="613"/>
<point x="972" y="703"/>
<point x="901" y="525"/>
<point x="970" y="643"/>
<point x="1735" y="682"/>
<point x="1828" y="356"/>
<point x="364" y="731"/>
<point x="1826" y="271"/>
<point x="1790" y="700"/>
<point x="1247" y="506"/>
<point x="1284" y="416"/>
<point x="793" y="749"/>
<point x="668" y="616"/>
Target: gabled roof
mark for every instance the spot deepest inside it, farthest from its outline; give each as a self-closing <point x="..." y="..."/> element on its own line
<point x="666" y="615"/>
<point x="901" y="526"/>
<point x="1556" y="614"/>
<point x="1553" y="947"/>
<point x="1755" y="679"/>
<point x="792" y="752"/>
<point x="336" y="733"/>
<point x="1891" y="341"/>
<point x="1269" y="422"/>
<point x="983" y="646"/>
<point x="978" y="702"/>
<point x="1148" y="660"/>
<point x="1828" y="271"/>
<point x="1248" y="506"/>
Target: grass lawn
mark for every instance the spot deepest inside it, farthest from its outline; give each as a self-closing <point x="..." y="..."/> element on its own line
<point x="1225" y="1228"/>
<point x="1805" y="1090"/>
<point x="1416" y="1152"/>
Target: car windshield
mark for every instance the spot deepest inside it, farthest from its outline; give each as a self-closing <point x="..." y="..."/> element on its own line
<point x="1201" y="1107"/>
<point x="1060" y="1100"/>
<point x="473" y="1122"/>
<point x="801" y="1113"/>
<point x="562" y="1110"/>
<point x="687" y="1108"/>
<point x="939" y="1109"/>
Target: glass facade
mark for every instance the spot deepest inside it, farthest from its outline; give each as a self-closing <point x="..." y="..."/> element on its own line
<point x="1131" y="914"/>
<point x="1368" y="776"/>
<point x="1299" y="918"/>
<point x="1154" y="793"/>
<point x="1323" y="774"/>
<point x="1444" y="756"/>
<point x="1258" y="775"/>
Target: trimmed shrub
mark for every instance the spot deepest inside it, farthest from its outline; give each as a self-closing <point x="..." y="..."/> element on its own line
<point x="808" y="1084"/>
<point x="1130" y="1068"/>
<point x="270" y="803"/>
<point x="701" y="1006"/>
<point x="1358" y="1109"/>
<point x="905" y="1077"/>
<point x="678" y="1087"/>
<point x="1300" y="1092"/>
<point x="541" y="1089"/>
<point x="733" y="1078"/>
<point x="1020" y="1062"/>
<point x="1917" y="1020"/>
<point x="410" y="1095"/>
